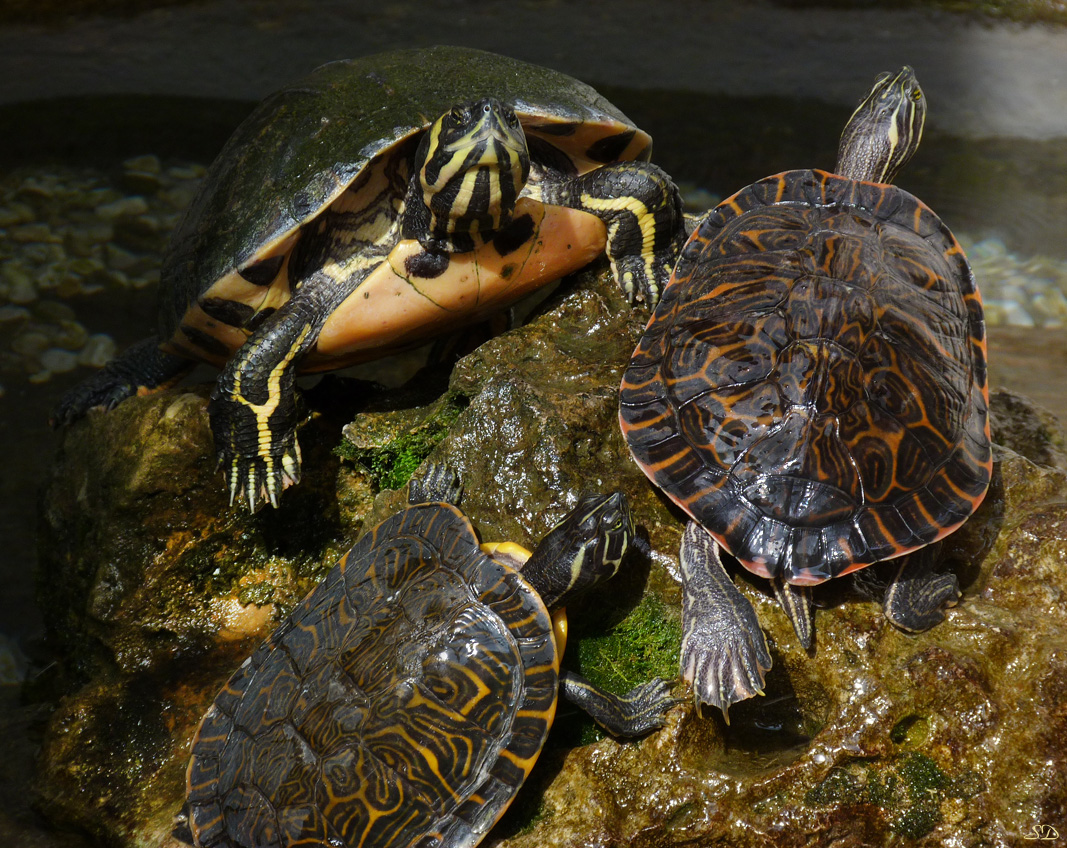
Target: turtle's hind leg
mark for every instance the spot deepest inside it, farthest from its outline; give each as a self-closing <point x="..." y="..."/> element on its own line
<point x="724" y="651"/>
<point x="142" y="368"/>
<point x="917" y="595"/>
<point x="642" y="209"/>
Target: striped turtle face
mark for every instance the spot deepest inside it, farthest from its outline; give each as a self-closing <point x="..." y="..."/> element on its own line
<point x="581" y="551"/>
<point x="885" y="130"/>
<point x="475" y="164"/>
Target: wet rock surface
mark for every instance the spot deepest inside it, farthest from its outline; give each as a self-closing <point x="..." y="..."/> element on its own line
<point x="156" y="590"/>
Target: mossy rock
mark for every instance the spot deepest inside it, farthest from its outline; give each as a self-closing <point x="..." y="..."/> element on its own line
<point x="874" y="737"/>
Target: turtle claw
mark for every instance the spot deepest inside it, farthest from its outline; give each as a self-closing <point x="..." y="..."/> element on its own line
<point x="638" y="281"/>
<point x="143" y="367"/>
<point x="724" y="670"/>
<point x="101" y="391"/>
<point x="260" y="480"/>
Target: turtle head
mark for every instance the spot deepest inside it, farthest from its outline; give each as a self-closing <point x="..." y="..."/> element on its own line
<point x="885" y="129"/>
<point x="470" y="167"/>
<point x="584" y="549"/>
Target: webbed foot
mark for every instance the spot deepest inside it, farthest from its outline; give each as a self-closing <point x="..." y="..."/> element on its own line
<point x="917" y="596"/>
<point x="724" y="652"/>
<point x="642" y="209"/>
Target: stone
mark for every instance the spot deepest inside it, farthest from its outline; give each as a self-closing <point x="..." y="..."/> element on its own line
<point x="33" y="232"/>
<point x="59" y="361"/>
<point x="953" y="736"/>
<point x="12" y="314"/>
<point x="123" y="207"/>
<point x="99" y="349"/>
<point x="19" y="284"/>
<point x="148" y="163"/>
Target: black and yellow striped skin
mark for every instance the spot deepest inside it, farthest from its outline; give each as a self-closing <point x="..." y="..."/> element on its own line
<point x="812" y="388"/>
<point x="885" y="130"/>
<point x="403" y="702"/>
<point x="362" y="211"/>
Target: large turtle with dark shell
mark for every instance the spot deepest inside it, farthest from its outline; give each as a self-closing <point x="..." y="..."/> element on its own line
<point x="812" y="391"/>
<point x="407" y="697"/>
<point x="377" y="203"/>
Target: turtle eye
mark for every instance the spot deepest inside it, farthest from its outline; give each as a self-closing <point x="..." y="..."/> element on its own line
<point x="916" y="94"/>
<point x="456" y="115"/>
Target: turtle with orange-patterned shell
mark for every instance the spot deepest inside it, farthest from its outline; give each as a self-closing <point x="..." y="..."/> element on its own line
<point x="812" y="392"/>
<point x="373" y="205"/>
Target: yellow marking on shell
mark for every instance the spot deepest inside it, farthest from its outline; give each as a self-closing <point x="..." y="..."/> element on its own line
<point x="507" y="551"/>
<point x="525" y="764"/>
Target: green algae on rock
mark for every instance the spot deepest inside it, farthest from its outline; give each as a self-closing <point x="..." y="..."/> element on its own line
<point x="390" y="444"/>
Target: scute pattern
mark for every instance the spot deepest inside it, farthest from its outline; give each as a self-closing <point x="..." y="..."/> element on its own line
<point x="812" y="387"/>
<point x="403" y="702"/>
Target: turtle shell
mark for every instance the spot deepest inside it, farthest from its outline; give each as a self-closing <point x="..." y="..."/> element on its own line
<point x="812" y="387"/>
<point x="304" y="145"/>
<point x="403" y="702"/>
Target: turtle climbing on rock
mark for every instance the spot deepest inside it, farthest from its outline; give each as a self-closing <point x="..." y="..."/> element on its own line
<point x="812" y="392"/>
<point x="375" y="204"/>
<point x="407" y="697"/>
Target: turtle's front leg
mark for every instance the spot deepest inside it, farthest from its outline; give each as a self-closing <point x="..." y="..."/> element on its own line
<point x="642" y="209"/>
<point x="142" y="368"/>
<point x="255" y="407"/>
<point x="640" y="710"/>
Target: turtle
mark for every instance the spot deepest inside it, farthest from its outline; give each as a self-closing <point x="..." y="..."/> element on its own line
<point x="407" y="697"/>
<point x="812" y="392"/>
<point x="375" y="204"/>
